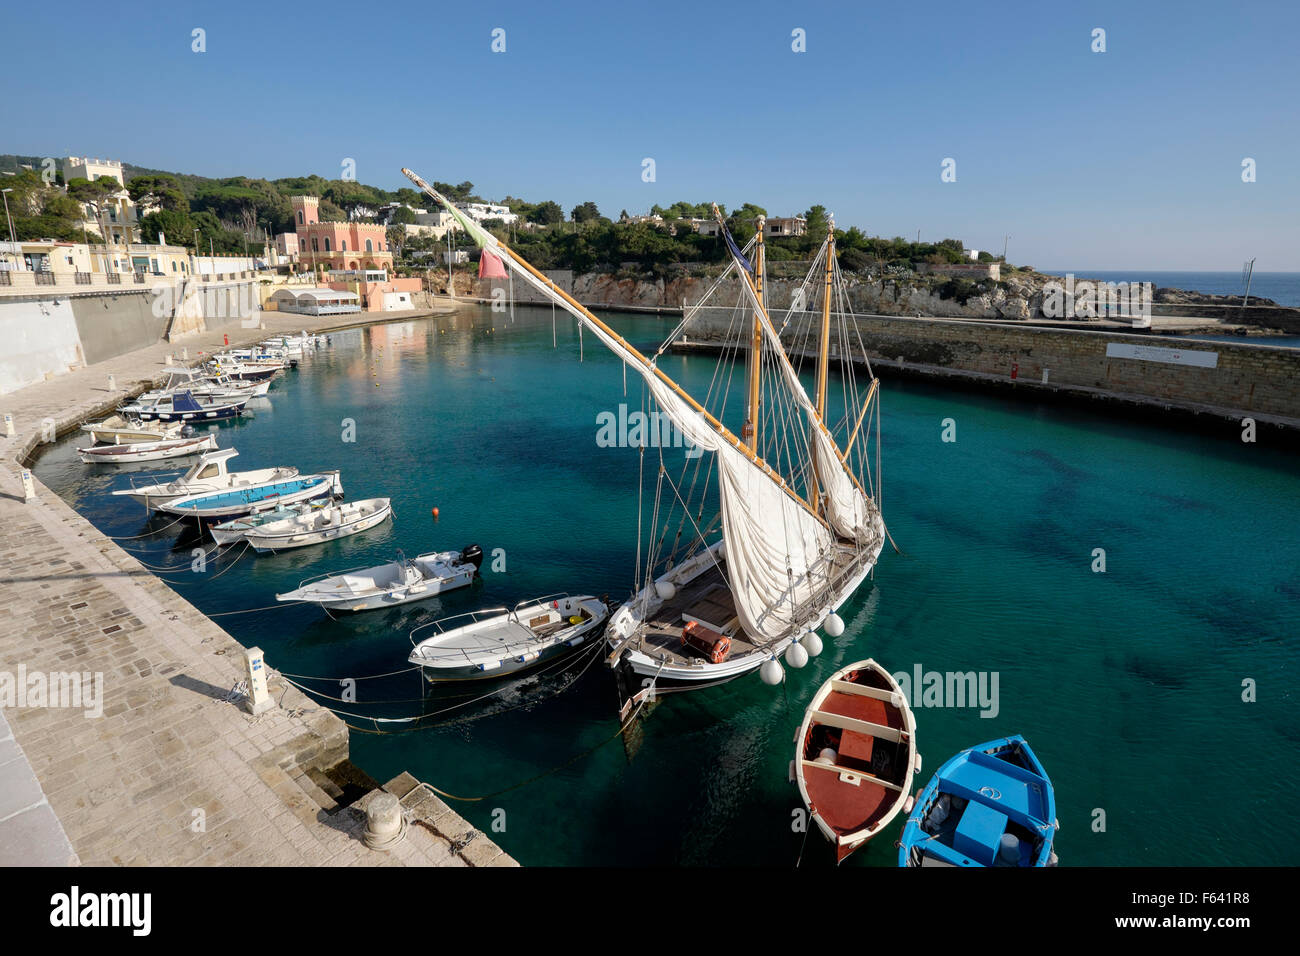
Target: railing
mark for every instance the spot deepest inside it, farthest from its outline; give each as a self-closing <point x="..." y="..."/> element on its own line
<point x="44" y="278"/>
<point x="139" y="278"/>
<point x="114" y="278"/>
<point x="4" y="277"/>
<point x="82" y="278"/>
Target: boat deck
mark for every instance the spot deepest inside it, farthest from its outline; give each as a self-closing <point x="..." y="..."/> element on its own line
<point x="708" y="597"/>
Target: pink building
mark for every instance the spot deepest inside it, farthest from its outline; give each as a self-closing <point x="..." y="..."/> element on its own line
<point x="337" y="245"/>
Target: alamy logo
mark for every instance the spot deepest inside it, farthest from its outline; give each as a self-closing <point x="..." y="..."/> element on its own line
<point x="74" y="908"/>
<point x="935" y="689"/>
<point x="641" y="430"/>
<point x="68" y="689"/>
<point x="1091" y="300"/>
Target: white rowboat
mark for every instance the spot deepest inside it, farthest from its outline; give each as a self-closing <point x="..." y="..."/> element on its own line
<point x="398" y="582"/>
<point x="320" y="525"/>
<point x="146" y="451"/>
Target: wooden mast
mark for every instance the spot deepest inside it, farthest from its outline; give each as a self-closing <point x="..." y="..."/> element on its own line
<point x="750" y="430"/>
<point x="823" y="349"/>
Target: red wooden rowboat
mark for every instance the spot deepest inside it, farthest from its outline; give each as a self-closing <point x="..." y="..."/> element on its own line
<point x="855" y="755"/>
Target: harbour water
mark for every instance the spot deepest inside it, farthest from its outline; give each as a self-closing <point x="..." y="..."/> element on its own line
<point x="1128" y="683"/>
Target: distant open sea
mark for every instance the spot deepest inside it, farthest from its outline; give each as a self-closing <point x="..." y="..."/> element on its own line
<point x="1282" y="287"/>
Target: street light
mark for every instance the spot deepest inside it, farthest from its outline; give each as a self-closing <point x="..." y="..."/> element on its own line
<point x="5" y="193"/>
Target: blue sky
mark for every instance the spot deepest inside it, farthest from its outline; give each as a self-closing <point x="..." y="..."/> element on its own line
<point x="1127" y="159"/>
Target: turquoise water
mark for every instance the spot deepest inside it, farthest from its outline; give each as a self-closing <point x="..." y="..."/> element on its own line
<point x="1128" y="683"/>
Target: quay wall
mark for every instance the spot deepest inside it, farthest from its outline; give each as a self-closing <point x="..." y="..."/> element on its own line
<point x="50" y="334"/>
<point x="109" y="326"/>
<point x="37" y="340"/>
<point x="1245" y="380"/>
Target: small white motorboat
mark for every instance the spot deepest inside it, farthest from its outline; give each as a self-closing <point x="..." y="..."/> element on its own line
<point x="497" y="642"/>
<point x="206" y="384"/>
<point x="147" y="451"/>
<point x="120" y="429"/>
<point x="210" y="473"/>
<point x="319" y="525"/>
<point x="398" y="582"/>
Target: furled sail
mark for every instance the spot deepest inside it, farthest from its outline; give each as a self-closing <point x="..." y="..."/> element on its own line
<point x="848" y="510"/>
<point x="778" y="553"/>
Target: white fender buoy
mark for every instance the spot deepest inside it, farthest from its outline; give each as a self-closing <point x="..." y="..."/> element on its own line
<point x="834" y="625"/>
<point x="771" y="672"/>
<point x="897" y="700"/>
<point x="917" y="766"/>
<point x="909" y="803"/>
<point x="811" y="643"/>
<point x="795" y="655"/>
<point x="827" y="755"/>
<point x="665" y="589"/>
<point x="1009" y="850"/>
<point x="792" y="771"/>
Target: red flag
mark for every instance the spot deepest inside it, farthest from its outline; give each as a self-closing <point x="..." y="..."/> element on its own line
<point x="490" y="267"/>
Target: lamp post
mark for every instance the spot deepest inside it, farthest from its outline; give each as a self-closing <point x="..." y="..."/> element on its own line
<point x="13" y="244"/>
<point x="5" y="193"/>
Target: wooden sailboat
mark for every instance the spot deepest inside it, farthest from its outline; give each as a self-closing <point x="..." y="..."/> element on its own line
<point x="795" y="532"/>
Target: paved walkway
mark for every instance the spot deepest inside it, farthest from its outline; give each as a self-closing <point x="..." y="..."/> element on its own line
<point x="162" y="769"/>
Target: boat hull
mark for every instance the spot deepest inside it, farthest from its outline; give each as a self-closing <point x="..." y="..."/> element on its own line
<point x="855" y="755"/>
<point x="387" y="585"/>
<point x="147" y="451"/>
<point x="237" y="503"/>
<point x="986" y="792"/>
<point x="263" y="540"/>
<point x="472" y="652"/>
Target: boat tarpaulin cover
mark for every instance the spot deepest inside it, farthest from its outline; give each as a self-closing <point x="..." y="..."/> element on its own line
<point x="184" y="402"/>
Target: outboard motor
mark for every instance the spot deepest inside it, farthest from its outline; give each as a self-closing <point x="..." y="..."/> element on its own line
<point x="472" y="555"/>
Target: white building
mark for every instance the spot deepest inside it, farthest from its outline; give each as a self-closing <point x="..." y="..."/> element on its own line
<point x="483" y="211"/>
<point x="119" y="220"/>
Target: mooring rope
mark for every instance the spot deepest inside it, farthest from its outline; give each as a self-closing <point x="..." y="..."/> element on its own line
<point x="132" y="537"/>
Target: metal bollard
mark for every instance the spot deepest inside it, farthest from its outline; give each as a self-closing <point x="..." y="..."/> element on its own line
<point x="9" y="425"/>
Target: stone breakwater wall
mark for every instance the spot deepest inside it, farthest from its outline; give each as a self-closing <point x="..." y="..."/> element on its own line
<point x="1228" y="379"/>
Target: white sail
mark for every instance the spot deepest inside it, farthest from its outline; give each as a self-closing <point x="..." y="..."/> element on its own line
<point x="777" y="552"/>
<point x="847" y="509"/>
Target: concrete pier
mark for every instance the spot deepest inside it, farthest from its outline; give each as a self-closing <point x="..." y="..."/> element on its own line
<point x="167" y="768"/>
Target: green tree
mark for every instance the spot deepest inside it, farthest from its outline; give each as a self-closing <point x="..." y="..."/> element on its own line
<point x="97" y="195"/>
<point x="160" y="191"/>
<point x="587" y="212"/>
<point x="547" y="213"/>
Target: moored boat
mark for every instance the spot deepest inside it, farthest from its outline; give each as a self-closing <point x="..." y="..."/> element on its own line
<point x="232" y="531"/>
<point x="147" y="451"/>
<point x="783" y="525"/>
<point x="211" y="507"/>
<point x="210" y="473"/>
<point x="321" y="523"/>
<point x="855" y="754"/>
<point x="497" y="642"/>
<point x="990" y="805"/>
<point x="398" y="582"/>
<point x="185" y="406"/>
<point x="121" y="429"/>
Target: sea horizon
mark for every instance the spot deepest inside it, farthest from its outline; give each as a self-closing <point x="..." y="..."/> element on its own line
<point x="1282" y="287"/>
